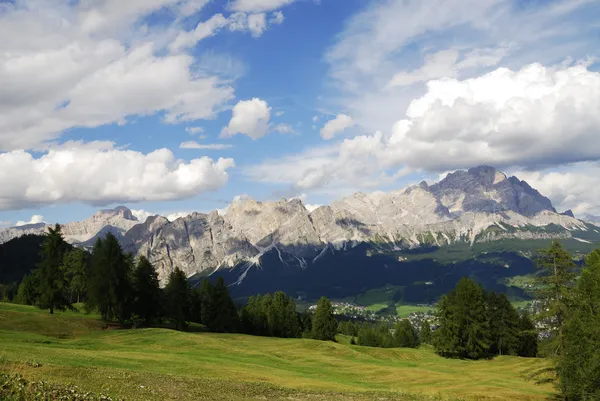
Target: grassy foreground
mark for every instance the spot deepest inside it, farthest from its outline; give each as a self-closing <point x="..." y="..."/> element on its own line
<point x="160" y="364"/>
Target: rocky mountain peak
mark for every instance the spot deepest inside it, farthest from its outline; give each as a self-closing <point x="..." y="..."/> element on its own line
<point x="121" y="211"/>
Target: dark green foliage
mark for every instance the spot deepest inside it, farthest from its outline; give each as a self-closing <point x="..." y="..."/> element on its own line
<point x="368" y="336"/>
<point x="578" y="367"/>
<point x="348" y="328"/>
<point x="464" y="329"/>
<point x="527" y="344"/>
<point x="178" y="299"/>
<point x="554" y="287"/>
<point x="196" y="306"/>
<point x="352" y="341"/>
<point x="503" y="321"/>
<point x="324" y="325"/>
<point x="146" y="289"/>
<point x="53" y="285"/>
<point x="271" y="316"/>
<point x="306" y="324"/>
<point x="217" y="308"/>
<point x="109" y="281"/>
<point x="8" y="292"/>
<point x="405" y="335"/>
<point x="75" y="266"/>
<point x="20" y="257"/>
<point x="29" y="289"/>
<point x="425" y="332"/>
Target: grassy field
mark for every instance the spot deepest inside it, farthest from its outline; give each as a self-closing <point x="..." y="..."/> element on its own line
<point x="161" y="364"/>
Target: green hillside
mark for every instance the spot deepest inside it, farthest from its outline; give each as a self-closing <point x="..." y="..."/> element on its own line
<point x="159" y="364"/>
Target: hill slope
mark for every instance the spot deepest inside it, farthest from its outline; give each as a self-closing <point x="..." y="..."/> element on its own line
<point x="157" y="364"/>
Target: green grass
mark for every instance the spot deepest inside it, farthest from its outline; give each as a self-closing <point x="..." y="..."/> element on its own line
<point x="405" y="310"/>
<point x="161" y="364"/>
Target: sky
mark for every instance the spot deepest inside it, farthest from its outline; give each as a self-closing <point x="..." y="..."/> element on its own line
<point x="174" y="106"/>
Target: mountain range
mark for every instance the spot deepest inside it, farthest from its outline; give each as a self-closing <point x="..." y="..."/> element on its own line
<point x="283" y="245"/>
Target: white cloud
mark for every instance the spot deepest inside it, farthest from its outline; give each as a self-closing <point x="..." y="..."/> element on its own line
<point x="203" y="30"/>
<point x="257" y="23"/>
<point x="284" y="129"/>
<point x="577" y="188"/>
<point x="249" y="117"/>
<point x="533" y="118"/>
<point x="210" y="146"/>
<point x="315" y="119"/>
<point x="277" y="18"/>
<point x="35" y="219"/>
<point x="141" y="214"/>
<point x="255" y="6"/>
<point x="337" y="125"/>
<point x="194" y="130"/>
<point x="97" y="177"/>
<point x="279" y="113"/>
<point x="176" y="215"/>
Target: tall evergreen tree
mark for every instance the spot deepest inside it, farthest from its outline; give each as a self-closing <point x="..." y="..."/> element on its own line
<point x="425" y="332"/>
<point x="225" y="318"/>
<point x="146" y="290"/>
<point x="75" y="266"/>
<point x="109" y="282"/>
<point x="464" y="329"/>
<point x="527" y="337"/>
<point x="554" y="285"/>
<point x="28" y="292"/>
<point x="207" y="304"/>
<point x="405" y="335"/>
<point x="52" y="282"/>
<point x="368" y="337"/>
<point x="324" y="325"/>
<point x="503" y="322"/>
<point x="177" y="294"/>
<point x="578" y="366"/>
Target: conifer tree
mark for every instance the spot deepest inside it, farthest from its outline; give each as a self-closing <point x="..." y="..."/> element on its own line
<point x="405" y="335"/>
<point x="553" y="288"/>
<point x="324" y="325"/>
<point x="28" y="292"/>
<point x="207" y="307"/>
<point x="52" y="282"/>
<point x="425" y="332"/>
<point x="75" y="266"/>
<point x="177" y="294"/>
<point x="147" y="292"/>
<point x="527" y="337"/>
<point x="109" y="282"/>
<point x="225" y="317"/>
<point x="503" y="322"/>
<point x="578" y="366"/>
<point x="368" y="337"/>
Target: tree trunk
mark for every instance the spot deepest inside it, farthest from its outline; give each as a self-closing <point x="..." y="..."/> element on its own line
<point x="52" y="310"/>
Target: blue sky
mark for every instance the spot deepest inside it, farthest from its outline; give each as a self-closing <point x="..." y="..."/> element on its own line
<point x="173" y="106"/>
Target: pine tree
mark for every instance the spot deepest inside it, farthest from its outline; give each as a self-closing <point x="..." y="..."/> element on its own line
<point x="75" y="266"/>
<point x="52" y="282"/>
<point x="464" y="329"/>
<point x="225" y="318"/>
<point x="405" y="335"/>
<point x="177" y="295"/>
<point x="147" y="292"/>
<point x="207" y="307"/>
<point x="425" y="332"/>
<point x="28" y="292"/>
<point x="196" y="306"/>
<point x="553" y="288"/>
<point x="368" y="337"/>
<point x="578" y="366"/>
<point x="503" y="322"/>
<point x="527" y="337"/>
<point x="109" y="282"/>
<point x="324" y="325"/>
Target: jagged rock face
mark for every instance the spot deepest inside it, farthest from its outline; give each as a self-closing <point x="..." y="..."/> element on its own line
<point x="117" y="221"/>
<point x="485" y="189"/>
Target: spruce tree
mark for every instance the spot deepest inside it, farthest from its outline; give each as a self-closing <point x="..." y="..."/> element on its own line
<point x="464" y="329"/>
<point x="28" y="292"/>
<point x="207" y="306"/>
<point x="109" y="282"/>
<point x="405" y="335"/>
<point x="146" y="290"/>
<point x="324" y="324"/>
<point x="527" y="337"/>
<point x="52" y="281"/>
<point x="75" y="266"/>
<point x="177" y="295"/>
<point x="368" y="337"/>
<point x="225" y="316"/>
<point x="503" y="322"/>
<point x="578" y="366"/>
<point x="554" y="284"/>
<point x="425" y="332"/>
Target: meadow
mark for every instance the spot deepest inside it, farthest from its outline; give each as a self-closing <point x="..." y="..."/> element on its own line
<point x="71" y="348"/>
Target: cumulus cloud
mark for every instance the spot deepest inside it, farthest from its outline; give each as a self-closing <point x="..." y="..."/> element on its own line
<point x="99" y="177"/>
<point x="256" y="6"/>
<point x="209" y="146"/>
<point x="533" y="118"/>
<point x="335" y="126"/>
<point x="284" y="129"/>
<point x="249" y="117"/>
<point x="195" y="130"/>
<point x="65" y="65"/>
<point x="35" y="219"/>
<point x="176" y="215"/>
<point x="277" y="18"/>
<point x="141" y="214"/>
